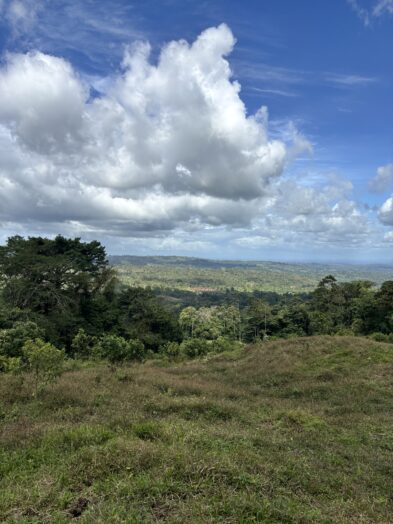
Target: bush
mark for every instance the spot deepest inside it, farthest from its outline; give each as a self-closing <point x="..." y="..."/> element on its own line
<point x="13" y="339"/>
<point x="222" y="344"/>
<point x="382" y="337"/>
<point x="9" y="364"/>
<point x="82" y="344"/>
<point x="44" y="361"/>
<point x="117" y="349"/>
<point x="194" y="347"/>
<point x="345" y="332"/>
<point x="170" y="349"/>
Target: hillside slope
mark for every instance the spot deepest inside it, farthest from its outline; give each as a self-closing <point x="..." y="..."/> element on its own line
<point x="194" y="274"/>
<point x="289" y="431"/>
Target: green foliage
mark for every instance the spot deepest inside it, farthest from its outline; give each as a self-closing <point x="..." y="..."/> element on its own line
<point x="170" y="349"/>
<point x="118" y="349"/>
<point x="141" y="315"/>
<point x="382" y="337"/>
<point x="194" y="347"/>
<point x="64" y="291"/>
<point x="222" y="344"/>
<point x="57" y="280"/>
<point x="10" y="315"/>
<point x="13" y="339"/>
<point x="44" y="361"/>
<point x="212" y="276"/>
<point x="82" y="344"/>
<point x="10" y="364"/>
<point x="210" y="322"/>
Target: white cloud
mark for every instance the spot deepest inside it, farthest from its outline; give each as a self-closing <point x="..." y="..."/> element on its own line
<point x="386" y="212"/>
<point x="383" y="180"/>
<point x="21" y="14"/>
<point x="349" y="80"/>
<point x="41" y="102"/>
<point x="361" y="12"/>
<point x="166" y="142"/>
<point x="388" y="237"/>
<point x="366" y="15"/>
<point x="166" y="150"/>
<point x="382" y="7"/>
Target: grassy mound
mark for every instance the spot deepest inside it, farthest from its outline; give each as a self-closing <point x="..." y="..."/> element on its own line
<point x="290" y="431"/>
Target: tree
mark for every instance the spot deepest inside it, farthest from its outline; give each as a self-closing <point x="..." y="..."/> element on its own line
<point x="82" y="344"/>
<point x="210" y="322"/>
<point x="259" y="320"/>
<point x="117" y="349"/>
<point x="57" y="280"/>
<point x="384" y="301"/>
<point x="13" y="339"/>
<point x="187" y="320"/>
<point x="141" y="315"/>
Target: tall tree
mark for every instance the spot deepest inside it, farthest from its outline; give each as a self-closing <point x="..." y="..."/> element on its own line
<point x="56" y="280"/>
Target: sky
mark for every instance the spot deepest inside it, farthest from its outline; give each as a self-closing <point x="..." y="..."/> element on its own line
<point x="223" y="129"/>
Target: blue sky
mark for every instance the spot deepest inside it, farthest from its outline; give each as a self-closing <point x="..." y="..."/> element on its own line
<point x="309" y="177"/>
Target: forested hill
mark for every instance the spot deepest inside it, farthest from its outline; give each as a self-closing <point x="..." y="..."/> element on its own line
<point x="198" y="274"/>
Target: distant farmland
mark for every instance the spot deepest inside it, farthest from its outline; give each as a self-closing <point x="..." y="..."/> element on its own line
<point x="200" y="275"/>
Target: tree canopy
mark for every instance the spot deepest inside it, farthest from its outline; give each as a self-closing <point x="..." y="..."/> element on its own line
<point x="54" y="278"/>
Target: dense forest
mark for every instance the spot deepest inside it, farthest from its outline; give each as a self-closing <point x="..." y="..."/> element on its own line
<point x="63" y="294"/>
<point x="198" y="275"/>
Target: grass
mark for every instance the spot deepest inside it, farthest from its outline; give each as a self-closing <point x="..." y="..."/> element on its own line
<point x="295" y="431"/>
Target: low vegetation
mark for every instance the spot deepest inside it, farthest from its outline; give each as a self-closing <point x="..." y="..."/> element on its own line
<point x="285" y="431"/>
<point x="117" y="405"/>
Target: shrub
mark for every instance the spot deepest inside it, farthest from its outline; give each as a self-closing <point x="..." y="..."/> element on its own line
<point x="44" y="361"/>
<point x="9" y="364"/>
<point x="117" y="349"/>
<point x="170" y="349"/>
<point x="222" y="344"/>
<point x="345" y="332"/>
<point x="382" y="337"/>
<point x="13" y="339"/>
<point x="194" y="347"/>
<point x="82" y="344"/>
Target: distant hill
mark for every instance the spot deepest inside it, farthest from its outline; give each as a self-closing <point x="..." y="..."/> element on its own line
<point x="198" y="274"/>
<point x="179" y="261"/>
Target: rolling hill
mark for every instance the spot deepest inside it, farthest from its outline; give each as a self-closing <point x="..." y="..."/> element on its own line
<point x="288" y="431"/>
<point x="195" y="274"/>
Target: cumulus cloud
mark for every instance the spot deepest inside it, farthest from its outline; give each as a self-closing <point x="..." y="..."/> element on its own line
<point x="388" y="237"/>
<point x="41" y="102"/>
<point x="324" y="214"/>
<point x="383" y="180"/>
<point x="386" y="212"/>
<point x="166" y="145"/>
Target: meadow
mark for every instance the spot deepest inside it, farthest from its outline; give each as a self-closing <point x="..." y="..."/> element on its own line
<point x="286" y="431"/>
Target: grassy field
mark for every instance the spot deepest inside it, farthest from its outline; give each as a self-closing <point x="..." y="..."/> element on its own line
<point x="295" y="431"/>
<point x="191" y="274"/>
